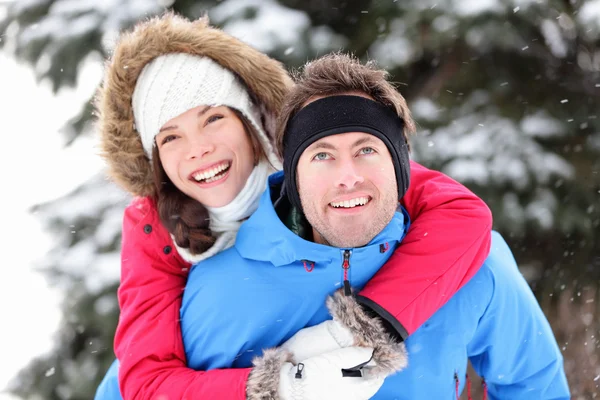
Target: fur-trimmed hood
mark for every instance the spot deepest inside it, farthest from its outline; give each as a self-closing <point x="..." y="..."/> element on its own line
<point x="266" y="79"/>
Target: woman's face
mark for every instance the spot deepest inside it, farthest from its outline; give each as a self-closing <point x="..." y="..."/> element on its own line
<point x="207" y="154"/>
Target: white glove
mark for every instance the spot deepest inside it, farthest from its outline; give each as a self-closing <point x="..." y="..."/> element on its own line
<point x="318" y="339"/>
<point x="320" y="377"/>
<point x="322" y="351"/>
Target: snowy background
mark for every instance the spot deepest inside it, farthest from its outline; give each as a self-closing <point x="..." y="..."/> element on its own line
<point x="29" y="306"/>
<point x="506" y="94"/>
<point x="36" y="162"/>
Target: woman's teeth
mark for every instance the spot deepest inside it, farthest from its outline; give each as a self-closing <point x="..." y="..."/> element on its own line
<point x="360" y="201"/>
<point x="212" y="174"/>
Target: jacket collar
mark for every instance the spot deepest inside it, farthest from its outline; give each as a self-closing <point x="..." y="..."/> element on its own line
<point x="264" y="237"/>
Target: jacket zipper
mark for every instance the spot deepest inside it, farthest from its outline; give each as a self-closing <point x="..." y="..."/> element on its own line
<point x="346" y="268"/>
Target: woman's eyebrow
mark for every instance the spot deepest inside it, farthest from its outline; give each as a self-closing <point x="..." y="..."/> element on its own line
<point x="200" y="113"/>
<point x="203" y="111"/>
<point x="167" y="128"/>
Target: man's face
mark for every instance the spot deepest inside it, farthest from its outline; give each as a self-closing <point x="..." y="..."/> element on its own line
<point x="348" y="188"/>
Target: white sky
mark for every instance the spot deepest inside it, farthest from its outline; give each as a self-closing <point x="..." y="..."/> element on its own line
<point x="33" y="168"/>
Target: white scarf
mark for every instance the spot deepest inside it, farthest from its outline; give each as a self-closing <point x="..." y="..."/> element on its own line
<point x="226" y="221"/>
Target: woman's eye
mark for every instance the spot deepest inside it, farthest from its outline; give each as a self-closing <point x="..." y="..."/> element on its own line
<point x="367" y="150"/>
<point x="168" y="139"/>
<point x="213" y="118"/>
<point x="321" y="156"/>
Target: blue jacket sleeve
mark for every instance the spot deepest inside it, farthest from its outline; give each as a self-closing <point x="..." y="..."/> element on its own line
<point x="514" y="348"/>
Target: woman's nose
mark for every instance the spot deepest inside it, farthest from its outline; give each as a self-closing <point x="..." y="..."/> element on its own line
<point x="199" y="147"/>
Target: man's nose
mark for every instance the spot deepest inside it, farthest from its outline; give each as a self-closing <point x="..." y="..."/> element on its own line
<point x="349" y="175"/>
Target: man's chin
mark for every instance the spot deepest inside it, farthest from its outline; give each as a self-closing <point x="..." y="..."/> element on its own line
<point x="341" y="240"/>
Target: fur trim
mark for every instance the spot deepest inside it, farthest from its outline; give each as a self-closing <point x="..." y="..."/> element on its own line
<point x="121" y="147"/>
<point x="389" y="355"/>
<point x="263" y="381"/>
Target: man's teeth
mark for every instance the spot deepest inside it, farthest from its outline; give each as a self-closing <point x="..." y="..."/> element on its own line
<point x="360" y="201"/>
<point x="209" y="175"/>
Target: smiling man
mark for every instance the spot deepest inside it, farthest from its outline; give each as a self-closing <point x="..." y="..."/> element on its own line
<point x="300" y="258"/>
<point x="345" y="163"/>
<point x="347" y="182"/>
<point x="348" y="189"/>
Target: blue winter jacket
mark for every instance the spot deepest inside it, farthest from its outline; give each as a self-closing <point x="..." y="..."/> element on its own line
<point x="259" y="293"/>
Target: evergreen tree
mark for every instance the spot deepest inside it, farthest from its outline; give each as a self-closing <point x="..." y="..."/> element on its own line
<point x="506" y="95"/>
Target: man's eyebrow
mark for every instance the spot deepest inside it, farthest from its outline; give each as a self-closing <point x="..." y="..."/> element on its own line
<point x="322" y="145"/>
<point x="200" y="113"/>
<point x="329" y="146"/>
<point x="364" y="140"/>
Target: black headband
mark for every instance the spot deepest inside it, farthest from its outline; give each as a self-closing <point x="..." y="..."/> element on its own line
<point x="341" y="114"/>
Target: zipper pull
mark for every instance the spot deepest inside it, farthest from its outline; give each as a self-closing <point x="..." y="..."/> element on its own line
<point x="299" y="370"/>
<point x="346" y="267"/>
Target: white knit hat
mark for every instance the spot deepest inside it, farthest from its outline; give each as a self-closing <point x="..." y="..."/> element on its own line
<point x="172" y="84"/>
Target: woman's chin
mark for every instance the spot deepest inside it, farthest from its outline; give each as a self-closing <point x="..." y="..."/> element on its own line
<point x="219" y="197"/>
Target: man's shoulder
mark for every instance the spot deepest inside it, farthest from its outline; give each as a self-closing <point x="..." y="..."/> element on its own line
<point x="500" y="270"/>
<point x="501" y="262"/>
<point x="497" y="272"/>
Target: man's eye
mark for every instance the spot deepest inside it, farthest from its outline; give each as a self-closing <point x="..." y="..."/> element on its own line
<point x="321" y="156"/>
<point x="367" y="150"/>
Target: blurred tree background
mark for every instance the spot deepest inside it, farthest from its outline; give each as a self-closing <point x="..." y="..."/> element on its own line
<point x="506" y="94"/>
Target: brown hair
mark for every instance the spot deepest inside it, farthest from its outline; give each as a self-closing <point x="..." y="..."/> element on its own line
<point x="184" y="217"/>
<point x="340" y="73"/>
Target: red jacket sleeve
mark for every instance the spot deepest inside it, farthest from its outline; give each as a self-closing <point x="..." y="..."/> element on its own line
<point x="148" y="341"/>
<point x="446" y="244"/>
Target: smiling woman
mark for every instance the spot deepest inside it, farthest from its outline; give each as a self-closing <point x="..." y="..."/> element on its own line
<point x="210" y="156"/>
<point x="203" y="123"/>
<point x="208" y="153"/>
